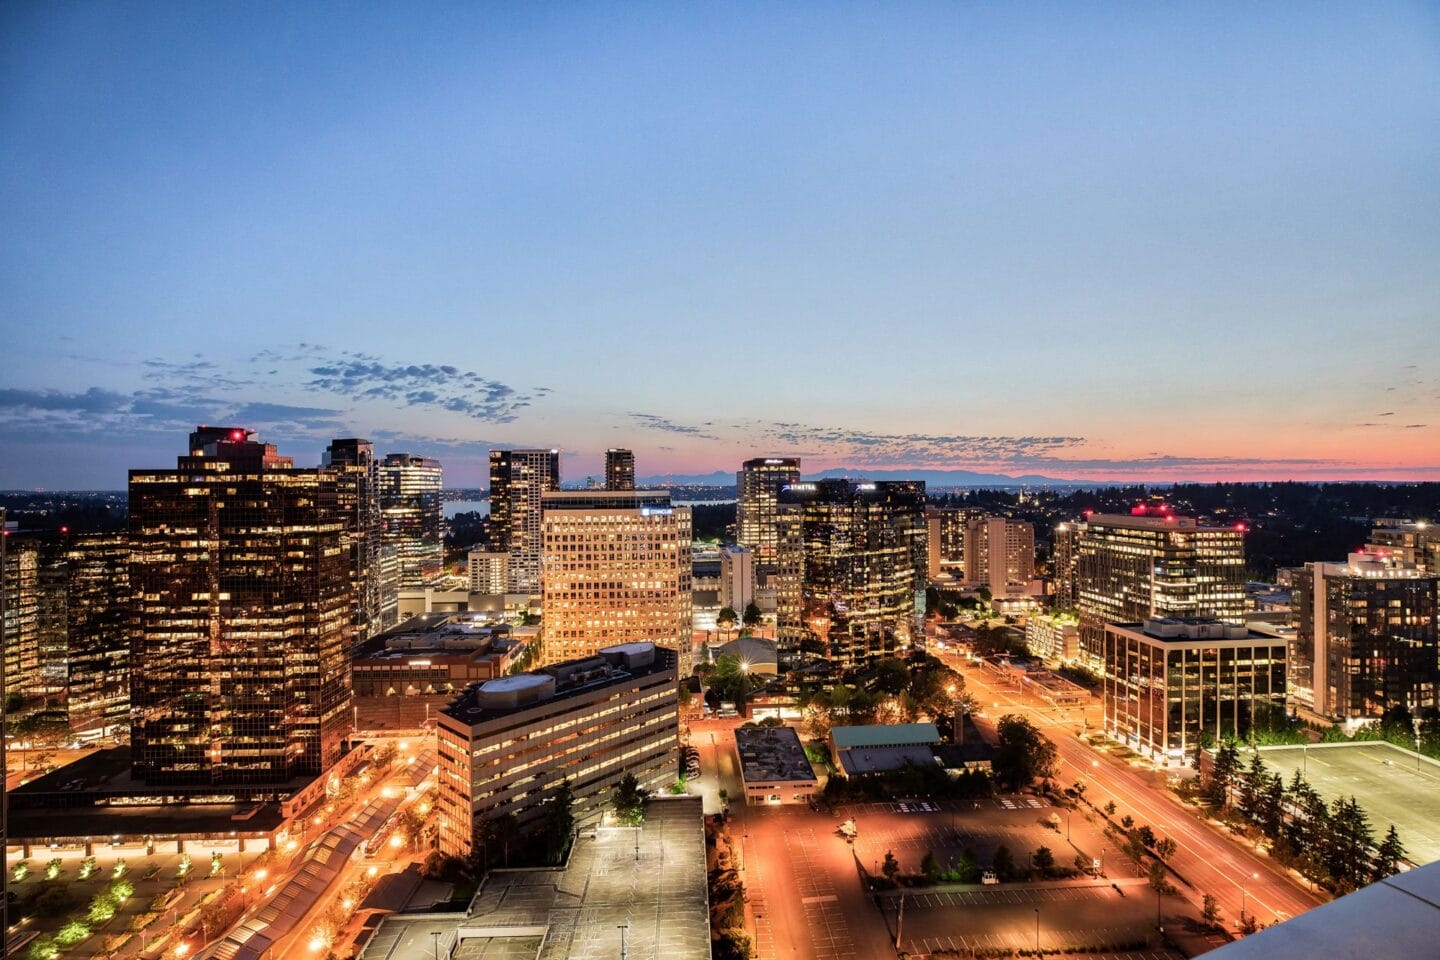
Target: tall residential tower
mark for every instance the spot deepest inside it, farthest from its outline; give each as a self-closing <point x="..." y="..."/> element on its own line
<point x="758" y="486"/>
<point x="518" y="480"/>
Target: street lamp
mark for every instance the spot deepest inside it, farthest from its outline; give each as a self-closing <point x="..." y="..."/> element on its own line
<point x="1037" y="931"/>
<point x="623" y="928"/>
<point x="435" y="941"/>
<point x="1244" y="893"/>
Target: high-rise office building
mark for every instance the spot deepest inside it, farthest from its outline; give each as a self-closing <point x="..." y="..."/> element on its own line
<point x="758" y="486"/>
<point x="1367" y="638"/>
<point x="242" y="586"/>
<point x="518" y="480"/>
<point x="20" y="581"/>
<point x="97" y="607"/>
<point x="737" y="578"/>
<point x="1173" y="684"/>
<point x="619" y="469"/>
<point x="354" y="463"/>
<point x="852" y="560"/>
<point x="1064" y="561"/>
<point x="411" y="516"/>
<point x="1000" y="554"/>
<point x="506" y="745"/>
<point x="616" y="569"/>
<point x="1154" y="563"/>
<point x="489" y="571"/>
<point x="945" y="539"/>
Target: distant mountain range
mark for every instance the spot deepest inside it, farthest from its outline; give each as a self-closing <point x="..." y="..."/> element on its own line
<point x="932" y="478"/>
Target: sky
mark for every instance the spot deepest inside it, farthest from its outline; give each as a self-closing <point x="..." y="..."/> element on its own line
<point x="1091" y="241"/>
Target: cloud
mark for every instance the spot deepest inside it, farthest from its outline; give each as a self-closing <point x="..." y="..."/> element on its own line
<point x="865" y="448"/>
<point x="443" y="386"/>
<point x="653" y="422"/>
<point x="94" y="400"/>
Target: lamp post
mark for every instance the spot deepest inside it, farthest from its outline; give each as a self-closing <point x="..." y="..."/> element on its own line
<point x="1037" y="931"/>
<point x="435" y="942"/>
<point x="624" y="928"/>
<point x="1244" y="893"/>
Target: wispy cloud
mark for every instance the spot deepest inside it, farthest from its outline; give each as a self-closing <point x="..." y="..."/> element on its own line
<point x="440" y="386"/>
<point x="654" y="422"/>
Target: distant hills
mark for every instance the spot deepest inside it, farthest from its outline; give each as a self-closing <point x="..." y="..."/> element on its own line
<point x="932" y="478"/>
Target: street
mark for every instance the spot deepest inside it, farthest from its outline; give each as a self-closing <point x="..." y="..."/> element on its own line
<point x="1210" y="860"/>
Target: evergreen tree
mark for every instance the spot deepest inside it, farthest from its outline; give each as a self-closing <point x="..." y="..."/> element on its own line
<point x="1252" y="786"/>
<point x="1223" y="774"/>
<point x="1272" y="808"/>
<point x="1388" y="857"/>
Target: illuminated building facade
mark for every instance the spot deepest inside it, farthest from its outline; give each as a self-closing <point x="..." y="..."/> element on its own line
<point x="242" y="588"/>
<point x="619" y="469"/>
<point x="1154" y="563"/>
<point x="489" y="571"/>
<point x="358" y="475"/>
<point x="411" y="516"/>
<point x="507" y="744"/>
<point x="1367" y="638"/>
<point x="852" y="559"/>
<point x="945" y="538"/>
<point x="1064" y="564"/>
<point x="21" y="628"/>
<point x="1410" y="543"/>
<point x="97" y="608"/>
<point x="616" y="569"/>
<point x="999" y="554"/>
<point x="1171" y="683"/>
<point x="758" y="486"/>
<point x="518" y="480"/>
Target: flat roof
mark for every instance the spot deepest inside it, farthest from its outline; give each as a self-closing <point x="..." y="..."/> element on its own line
<point x="884" y="735"/>
<point x="160" y="819"/>
<point x="466" y="706"/>
<point x="862" y="760"/>
<point x="1392" y="784"/>
<point x="574" y="913"/>
<point x="770" y="754"/>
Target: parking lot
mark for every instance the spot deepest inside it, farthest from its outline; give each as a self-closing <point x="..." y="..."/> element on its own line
<point x="1083" y="914"/>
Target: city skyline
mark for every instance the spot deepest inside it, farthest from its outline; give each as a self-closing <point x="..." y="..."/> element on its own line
<point x="1014" y="242"/>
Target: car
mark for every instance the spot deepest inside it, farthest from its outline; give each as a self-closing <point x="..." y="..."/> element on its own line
<point x="988" y="878"/>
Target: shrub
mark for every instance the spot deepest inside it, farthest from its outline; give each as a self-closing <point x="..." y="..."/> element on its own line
<point x="72" y="933"/>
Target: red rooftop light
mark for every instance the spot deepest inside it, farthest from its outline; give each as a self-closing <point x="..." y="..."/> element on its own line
<point x="237" y="435"/>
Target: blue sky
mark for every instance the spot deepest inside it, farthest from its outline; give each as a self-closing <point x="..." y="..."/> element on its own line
<point x="1079" y="240"/>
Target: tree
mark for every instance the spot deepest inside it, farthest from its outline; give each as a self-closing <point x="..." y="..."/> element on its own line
<point x="1224" y="772"/>
<point x="1146" y="836"/>
<point x="1003" y="863"/>
<point x="890" y="676"/>
<point x="629" y="800"/>
<point x="1110" y="808"/>
<point x="1127" y="823"/>
<point x="726" y="618"/>
<point x="1022" y="753"/>
<point x="557" y="822"/>
<point x="1165" y="849"/>
<point x="890" y="867"/>
<point x="929" y="866"/>
<point x="1210" y="910"/>
<point x="752" y="615"/>
<point x="1388" y="857"/>
<point x="1252" y="787"/>
<point x="1043" y="859"/>
<point x="1159" y="881"/>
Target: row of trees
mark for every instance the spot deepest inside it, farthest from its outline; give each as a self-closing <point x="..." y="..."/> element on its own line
<point x="892" y="691"/>
<point x="1333" y="845"/>
<point x="727" y="618"/>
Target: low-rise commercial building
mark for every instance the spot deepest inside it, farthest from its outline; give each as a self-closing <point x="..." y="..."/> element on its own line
<point x="773" y="765"/>
<point x="877" y="748"/>
<point x="405" y="676"/>
<point x="1169" y="683"/>
<point x="507" y="744"/>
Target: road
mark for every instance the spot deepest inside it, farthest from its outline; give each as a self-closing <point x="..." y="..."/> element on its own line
<point x="1211" y="860"/>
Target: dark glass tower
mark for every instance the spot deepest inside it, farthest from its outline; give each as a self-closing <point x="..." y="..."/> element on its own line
<point x="619" y="469"/>
<point x="412" y="517"/>
<point x="353" y="462"/>
<point x="852" y="559"/>
<point x="242" y="599"/>
<point x="518" y="479"/>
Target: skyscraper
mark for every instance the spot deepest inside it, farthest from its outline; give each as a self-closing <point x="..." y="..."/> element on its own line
<point x="1154" y="563"/>
<point x="518" y="479"/>
<point x="616" y="570"/>
<point x="242" y="589"/>
<point x="1367" y="638"/>
<point x="411" y="516"/>
<point x="1000" y="554"/>
<point x="619" y="469"/>
<point x="1063" y="563"/>
<point x="97" y="608"/>
<point x="758" y="486"/>
<point x="20" y="583"/>
<point x="945" y="537"/>
<point x="852" y="560"/>
<point x="1413" y="543"/>
<point x="353" y="461"/>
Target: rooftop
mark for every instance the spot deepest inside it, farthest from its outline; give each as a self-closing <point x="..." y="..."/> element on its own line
<point x="771" y="754"/>
<point x="884" y="735"/>
<point x="481" y="702"/>
<point x="858" y="761"/>
<point x="1191" y="629"/>
<point x="574" y="913"/>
